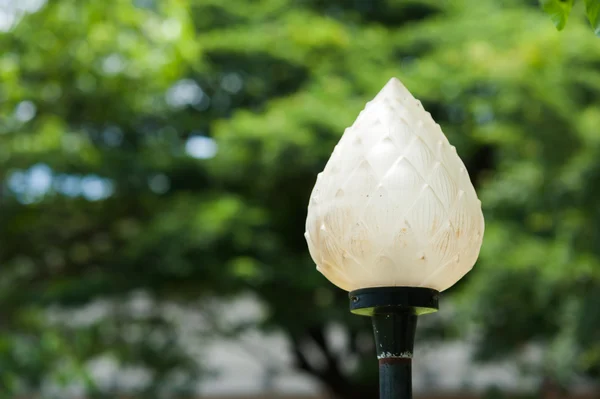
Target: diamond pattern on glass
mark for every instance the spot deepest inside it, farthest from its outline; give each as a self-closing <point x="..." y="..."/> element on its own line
<point x="394" y="205"/>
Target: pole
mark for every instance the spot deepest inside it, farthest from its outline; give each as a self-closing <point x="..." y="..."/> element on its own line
<point x="394" y="312"/>
<point x="394" y="341"/>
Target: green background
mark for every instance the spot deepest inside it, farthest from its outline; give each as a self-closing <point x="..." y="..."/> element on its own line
<point x="103" y="104"/>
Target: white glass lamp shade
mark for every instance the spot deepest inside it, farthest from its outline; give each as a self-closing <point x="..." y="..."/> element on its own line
<point x="395" y="205"/>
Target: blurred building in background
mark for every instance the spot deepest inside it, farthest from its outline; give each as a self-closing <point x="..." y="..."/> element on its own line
<point x="259" y="365"/>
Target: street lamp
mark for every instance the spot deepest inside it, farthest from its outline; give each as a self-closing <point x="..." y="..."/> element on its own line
<point x="394" y="219"/>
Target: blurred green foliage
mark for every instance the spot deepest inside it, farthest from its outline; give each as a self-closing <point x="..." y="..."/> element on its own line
<point x="110" y="119"/>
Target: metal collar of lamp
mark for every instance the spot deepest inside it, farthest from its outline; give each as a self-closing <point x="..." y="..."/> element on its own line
<point x="394" y="219"/>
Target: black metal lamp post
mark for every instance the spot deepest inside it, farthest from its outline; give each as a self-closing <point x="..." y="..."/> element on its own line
<point x="394" y="219"/>
<point x="394" y="312"/>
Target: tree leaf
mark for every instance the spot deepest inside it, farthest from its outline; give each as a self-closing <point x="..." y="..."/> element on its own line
<point x="558" y="10"/>
<point x="592" y="9"/>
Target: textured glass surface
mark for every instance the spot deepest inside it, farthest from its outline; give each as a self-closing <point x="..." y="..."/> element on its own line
<point x="395" y="205"/>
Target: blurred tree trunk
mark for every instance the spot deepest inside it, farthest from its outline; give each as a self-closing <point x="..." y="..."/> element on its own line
<point x="552" y="389"/>
<point x="314" y="355"/>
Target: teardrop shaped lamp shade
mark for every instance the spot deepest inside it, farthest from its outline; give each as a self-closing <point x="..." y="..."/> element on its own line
<point x="394" y="205"/>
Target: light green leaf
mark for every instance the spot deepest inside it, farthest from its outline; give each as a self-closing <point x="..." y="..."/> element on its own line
<point x="558" y="10"/>
<point x="592" y="9"/>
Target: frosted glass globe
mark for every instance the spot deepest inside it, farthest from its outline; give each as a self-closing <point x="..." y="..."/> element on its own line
<point x="394" y="205"/>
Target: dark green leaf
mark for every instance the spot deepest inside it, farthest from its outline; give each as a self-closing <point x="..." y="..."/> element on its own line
<point x="592" y="9"/>
<point x="558" y="10"/>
